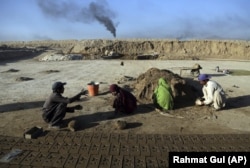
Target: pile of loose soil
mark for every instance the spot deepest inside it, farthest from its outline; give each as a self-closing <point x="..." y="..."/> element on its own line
<point x="146" y="83"/>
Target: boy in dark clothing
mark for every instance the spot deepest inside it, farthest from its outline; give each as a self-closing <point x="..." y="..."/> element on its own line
<point x="55" y="106"/>
<point x="125" y="102"/>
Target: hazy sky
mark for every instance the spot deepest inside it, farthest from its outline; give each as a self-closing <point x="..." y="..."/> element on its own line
<point x="105" y="19"/>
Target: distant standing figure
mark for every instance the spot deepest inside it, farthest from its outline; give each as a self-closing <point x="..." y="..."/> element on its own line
<point x="55" y="106"/>
<point x="196" y="70"/>
<point x="125" y="102"/>
<point x="162" y="97"/>
<point x="213" y="93"/>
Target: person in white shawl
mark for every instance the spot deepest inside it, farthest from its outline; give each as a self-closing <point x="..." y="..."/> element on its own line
<point x="213" y="93"/>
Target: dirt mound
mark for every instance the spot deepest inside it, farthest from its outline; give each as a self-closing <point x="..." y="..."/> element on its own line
<point x="147" y="82"/>
<point x="165" y="49"/>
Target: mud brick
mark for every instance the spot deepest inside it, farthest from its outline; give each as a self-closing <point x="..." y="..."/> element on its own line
<point x="183" y="148"/>
<point x="87" y="137"/>
<point x="18" y="159"/>
<point x="105" y="137"/>
<point x="162" y="161"/>
<point x="116" y="162"/>
<point x="65" y="147"/>
<point x="55" y="147"/>
<point x="96" y="137"/>
<point x="140" y="162"/>
<point x="201" y="148"/>
<point x="145" y="151"/>
<point x="28" y="145"/>
<point x="45" y="147"/>
<point x="50" y="159"/>
<point x="167" y="139"/>
<point x="173" y="148"/>
<point x="221" y="139"/>
<point x="177" y="139"/>
<point x="51" y="135"/>
<point x="245" y="138"/>
<point x="196" y="139"/>
<point x="151" y="162"/>
<point x="21" y="144"/>
<point x="39" y="159"/>
<point x="60" y="136"/>
<point x="164" y="150"/>
<point x="25" y="166"/>
<point x="29" y="159"/>
<point x="132" y="138"/>
<point x="4" y="165"/>
<point x="212" y="148"/>
<point x="159" y="139"/>
<point x="84" y="148"/>
<point x="187" y="140"/>
<point x="240" y="148"/>
<point x="69" y="137"/>
<point x="230" y="148"/>
<point x="124" y="149"/>
<point x="232" y="138"/>
<point x="82" y="161"/>
<point x="134" y="149"/>
<point x="150" y="138"/>
<point x="104" y="148"/>
<point x="142" y="138"/>
<point x="36" y="145"/>
<point x="78" y="137"/>
<point x="114" y="149"/>
<point x="114" y="138"/>
<point x="13" y="166"/>
<point x="208" y="139"/>
<point x="222" y="148"/>
<point x="8" y="142"/>
<point x="94" y="148"/>
<point x="194" y="148"/>
<point x="128" y="161"/>
<point x="94" y="161"/>
<point x="123" y="138"/>
<point x="75" y="147"/>
<point x="60" y="160"/>
<point x="71" y="161"/>
<point x="154" y="150"/>
<point x="3" y="152"/>
<point x="105" y="161"/>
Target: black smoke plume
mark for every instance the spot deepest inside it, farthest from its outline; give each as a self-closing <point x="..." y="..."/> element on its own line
<point x="95" y="11"/>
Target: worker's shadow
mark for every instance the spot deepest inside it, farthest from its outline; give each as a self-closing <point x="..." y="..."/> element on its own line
<point x="238" y="102"/>
<point x="20" y="106"/>
<point x="92" y="120"/>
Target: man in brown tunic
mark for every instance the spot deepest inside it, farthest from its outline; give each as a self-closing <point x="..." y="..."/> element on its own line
<point x="55" y="106"/>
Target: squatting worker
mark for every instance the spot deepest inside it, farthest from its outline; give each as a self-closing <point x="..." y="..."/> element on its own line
<point x="213" y="93"/>
<point x="125" y="102"/>
<point x="55" y="106"/>
<point x="162" y="97"/>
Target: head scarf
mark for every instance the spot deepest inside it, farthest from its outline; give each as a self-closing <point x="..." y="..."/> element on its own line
<point x="203" y="77"/>
<point x="114" y="88"/>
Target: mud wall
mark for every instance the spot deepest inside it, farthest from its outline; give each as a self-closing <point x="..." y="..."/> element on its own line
<point x="165" y="49"/>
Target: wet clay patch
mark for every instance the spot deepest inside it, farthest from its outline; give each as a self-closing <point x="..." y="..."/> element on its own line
<point x="24" y="79"/>
<point x="50" y="71"/>
<point x="239" y="72"/>
<point x="11" y="70"/>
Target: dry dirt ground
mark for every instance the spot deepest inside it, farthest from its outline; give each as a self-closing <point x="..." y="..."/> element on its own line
<point x="26" y="83"/>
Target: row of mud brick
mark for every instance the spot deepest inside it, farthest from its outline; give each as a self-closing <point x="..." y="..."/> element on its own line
<point x="68" y="149"/>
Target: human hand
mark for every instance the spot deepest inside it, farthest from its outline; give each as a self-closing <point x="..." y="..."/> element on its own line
<point x="78" y="107"/>
<point x="198" y="102"/>
<point x="84" y="92"/>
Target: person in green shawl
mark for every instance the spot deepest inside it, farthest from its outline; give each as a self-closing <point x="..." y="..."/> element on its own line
<point x="162" y="97"/>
